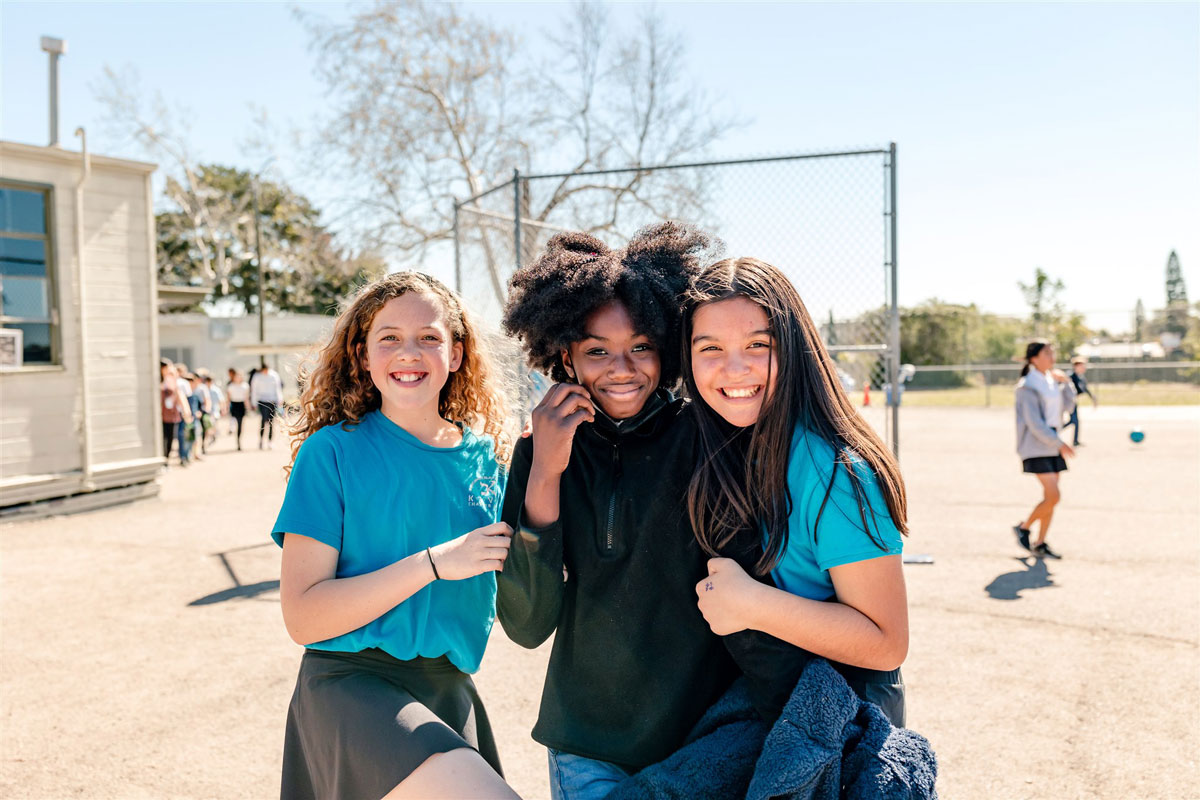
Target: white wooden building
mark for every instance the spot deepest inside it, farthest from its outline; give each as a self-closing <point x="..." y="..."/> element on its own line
<point x="79" y="412"/>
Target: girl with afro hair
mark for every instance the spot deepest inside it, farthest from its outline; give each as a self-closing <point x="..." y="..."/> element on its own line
<point x="603" y="555"/>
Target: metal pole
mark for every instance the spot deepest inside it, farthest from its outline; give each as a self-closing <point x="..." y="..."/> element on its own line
<point x="517" y="218"/>
<point x="894" y="360"/>
<point x="55" y="48"/>
<point x="523" y="397"/>
<point x="258" y="248"/>
<point x="54" y="99"/>
<point x="457" y="256"/>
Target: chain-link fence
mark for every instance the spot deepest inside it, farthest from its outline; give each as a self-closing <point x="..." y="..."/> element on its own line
<point x="1112" y="383"/>
<point x="826" y="219"/>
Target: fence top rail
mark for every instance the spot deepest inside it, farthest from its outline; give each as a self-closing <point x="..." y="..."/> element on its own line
<point x="484" y="193"/>
<point x="1091" y="365"/>
<point x="698" y="164"/>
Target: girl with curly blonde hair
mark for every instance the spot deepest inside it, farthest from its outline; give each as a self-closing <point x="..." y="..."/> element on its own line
<point x="391" y="542"/>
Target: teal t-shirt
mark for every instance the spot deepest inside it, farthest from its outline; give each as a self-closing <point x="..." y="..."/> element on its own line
<point x="840" y="538"/>
<point x="377" y="494"/>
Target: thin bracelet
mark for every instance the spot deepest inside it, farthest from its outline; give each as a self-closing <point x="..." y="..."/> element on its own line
<point x="436" y="577"/>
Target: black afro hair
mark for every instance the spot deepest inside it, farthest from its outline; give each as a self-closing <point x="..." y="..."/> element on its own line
<point x="551" y="298"/>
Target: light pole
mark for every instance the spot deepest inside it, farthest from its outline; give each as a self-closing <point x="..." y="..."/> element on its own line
<point x="262" y="328"/>
<point x="259" y="284"/>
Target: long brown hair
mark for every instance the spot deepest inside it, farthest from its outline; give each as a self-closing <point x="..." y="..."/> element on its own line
<point x="740" y="482"/>
<point x="338" y="388"/>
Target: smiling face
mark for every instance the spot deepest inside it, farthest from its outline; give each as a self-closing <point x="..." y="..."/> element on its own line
<point x="618" y="366"/>
<point x="410" y="354"/>
<point x="733" y="358"/>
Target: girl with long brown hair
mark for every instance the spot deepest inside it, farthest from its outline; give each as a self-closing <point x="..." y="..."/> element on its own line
<point x="787" y="463"/>
<point x="391" y="539"/>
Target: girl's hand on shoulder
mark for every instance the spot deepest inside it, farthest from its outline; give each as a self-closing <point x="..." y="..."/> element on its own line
<point x="564" y="408"/>
<point x="1059" y="375"/>
<point x="482" y="550"/>
<point x="726" y="596"/>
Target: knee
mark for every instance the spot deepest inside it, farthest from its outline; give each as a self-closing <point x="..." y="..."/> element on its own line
<point x="1053" y="496"/>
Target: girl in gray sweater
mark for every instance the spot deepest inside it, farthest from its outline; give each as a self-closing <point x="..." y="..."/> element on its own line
<point x="1044" y="394"/>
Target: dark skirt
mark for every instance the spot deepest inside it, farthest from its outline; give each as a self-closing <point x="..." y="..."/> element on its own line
<point x="237" y="409"/>
<point x="1041" y="464"/>
<point x="360" y="723"/>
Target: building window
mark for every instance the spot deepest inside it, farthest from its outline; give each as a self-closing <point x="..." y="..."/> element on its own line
<point x="177" y="355"/>
<point x="26" y="270"/>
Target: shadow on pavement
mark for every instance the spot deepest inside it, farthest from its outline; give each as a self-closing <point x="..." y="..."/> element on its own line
<point x="1009" y="585"/>
<point x="238" y="589"/>
<point x="250" y="590"/>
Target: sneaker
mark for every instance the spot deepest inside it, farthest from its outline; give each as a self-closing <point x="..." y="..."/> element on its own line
<point x="1043" y="549"/>
<point x="1022" y="536"/>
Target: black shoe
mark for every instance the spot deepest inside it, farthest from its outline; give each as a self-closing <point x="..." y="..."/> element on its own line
<point x="1043" y="549"/>
<point x="1022" y="536"/>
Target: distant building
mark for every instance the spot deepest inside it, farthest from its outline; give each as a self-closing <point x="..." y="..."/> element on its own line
<point x="1121" y="351"/>
<point x="79" y="403"/>
<point x="219" y="343"/>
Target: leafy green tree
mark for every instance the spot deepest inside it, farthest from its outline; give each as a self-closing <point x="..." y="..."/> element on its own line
<point x="304" y="269"/>
<point x="1042" y="297"/>
<point x="1048" y="318"/>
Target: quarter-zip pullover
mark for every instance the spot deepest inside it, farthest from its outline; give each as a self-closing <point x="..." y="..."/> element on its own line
<point x="634" y="665"/>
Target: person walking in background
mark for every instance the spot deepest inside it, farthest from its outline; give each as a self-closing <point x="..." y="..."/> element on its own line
<point x="266" y="392"/>
<point x="217" y="403"/>
<point x="174" y="410"/>
<point x="238" y="392"/>
<point x="1078" y="369"/>
<point x="1043" y="395"/>
<point x="198" y="402"/>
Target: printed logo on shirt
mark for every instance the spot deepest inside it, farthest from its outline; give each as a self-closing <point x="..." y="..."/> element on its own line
<point x="484" y="493"/>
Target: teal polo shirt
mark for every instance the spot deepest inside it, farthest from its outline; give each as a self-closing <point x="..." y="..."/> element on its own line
<point x="377" y="494"/>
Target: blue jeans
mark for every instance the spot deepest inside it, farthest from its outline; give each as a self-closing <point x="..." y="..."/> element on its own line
<point x="185" y="447"/>
<point x="578" y="778"/>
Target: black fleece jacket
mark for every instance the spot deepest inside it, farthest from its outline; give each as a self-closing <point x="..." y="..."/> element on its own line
<point x="634" y="665"/>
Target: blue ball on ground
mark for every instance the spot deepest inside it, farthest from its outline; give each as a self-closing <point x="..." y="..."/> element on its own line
<point x="1136" y="435"/>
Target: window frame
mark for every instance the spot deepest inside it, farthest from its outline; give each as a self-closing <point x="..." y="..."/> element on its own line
<point x="54" y="318"/>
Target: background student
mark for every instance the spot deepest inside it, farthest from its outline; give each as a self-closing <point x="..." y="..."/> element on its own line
<point x="1042" y="396"/>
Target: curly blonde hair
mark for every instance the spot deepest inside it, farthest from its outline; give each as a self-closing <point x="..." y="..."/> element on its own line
<point x="337" y="388"/>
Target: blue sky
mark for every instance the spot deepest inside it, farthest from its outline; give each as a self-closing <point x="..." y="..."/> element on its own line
<point x="1065" y="136"/>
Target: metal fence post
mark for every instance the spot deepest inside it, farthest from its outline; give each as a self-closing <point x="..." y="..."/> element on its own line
<point x="516" y="218"/>
<point x="894" y="354"/>
<point x="458" y="289"/>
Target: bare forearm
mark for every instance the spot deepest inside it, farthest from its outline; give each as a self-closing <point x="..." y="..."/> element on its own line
<point x="541" y="498"/>
<point x="339" y="605"/>
<point x="830" y="629"/>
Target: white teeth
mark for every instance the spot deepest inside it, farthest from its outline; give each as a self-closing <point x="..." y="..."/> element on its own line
<point x="409" y="378"/>
<point x="741" y="393"/>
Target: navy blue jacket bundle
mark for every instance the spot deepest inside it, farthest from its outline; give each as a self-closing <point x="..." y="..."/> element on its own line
<point x="826" y="745"/>
<point x="634" y="665"/>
